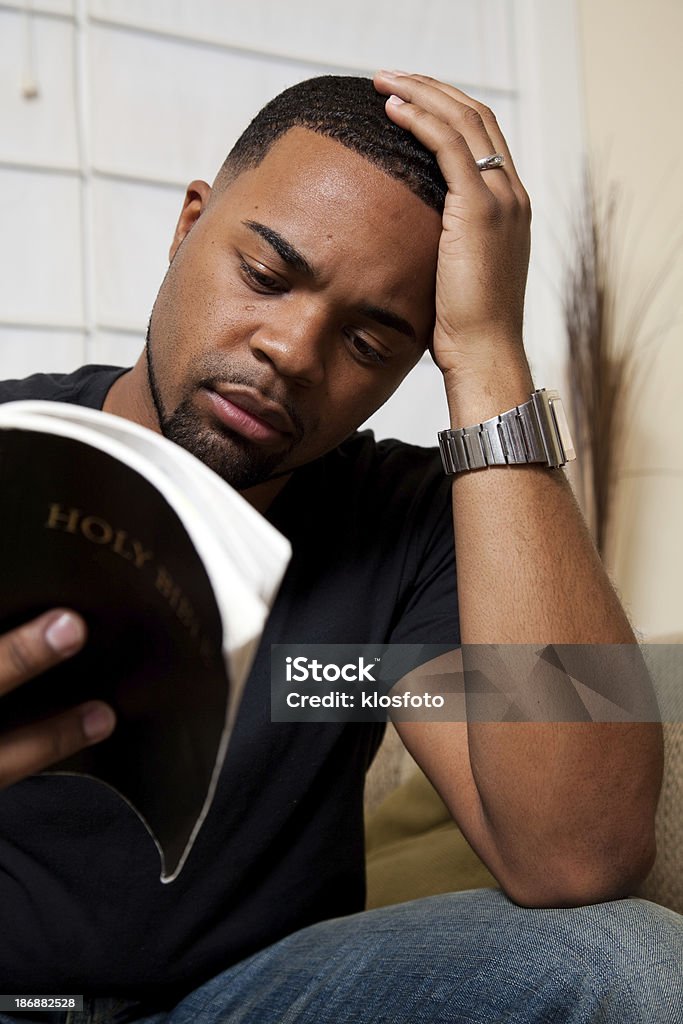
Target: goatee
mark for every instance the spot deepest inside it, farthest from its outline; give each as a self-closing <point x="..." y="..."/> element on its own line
<point x="237" y="460"/>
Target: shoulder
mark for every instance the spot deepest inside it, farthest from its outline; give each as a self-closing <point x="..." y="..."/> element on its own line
<point x="388" y="466"/>
<point x="362" y="450"/>
<point x="382" y="486"/>
<point x="363" y="482"/>
<point x="86" y="386"/>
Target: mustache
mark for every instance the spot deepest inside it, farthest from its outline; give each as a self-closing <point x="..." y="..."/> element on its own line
<point x="249" y="380"/>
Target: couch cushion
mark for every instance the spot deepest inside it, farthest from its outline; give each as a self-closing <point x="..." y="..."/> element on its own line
<point x="415" y="850"/>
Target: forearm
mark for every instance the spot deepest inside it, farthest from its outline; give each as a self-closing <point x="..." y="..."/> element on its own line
<point x="521" y="537"/>
<point x="528" y="573"/>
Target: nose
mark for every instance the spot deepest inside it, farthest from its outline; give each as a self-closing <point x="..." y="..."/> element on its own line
<point x="293" y="341"/>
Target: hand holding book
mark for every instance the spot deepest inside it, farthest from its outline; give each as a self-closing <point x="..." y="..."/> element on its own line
<point x="26" y="652"/>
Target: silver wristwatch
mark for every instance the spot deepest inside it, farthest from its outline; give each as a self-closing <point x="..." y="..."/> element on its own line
<point x="536" y="431"/>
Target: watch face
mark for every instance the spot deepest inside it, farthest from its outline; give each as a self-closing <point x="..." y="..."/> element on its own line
<point x="562" y="428"/>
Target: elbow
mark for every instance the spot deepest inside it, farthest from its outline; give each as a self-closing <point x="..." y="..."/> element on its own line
<point x="568" y="879"/>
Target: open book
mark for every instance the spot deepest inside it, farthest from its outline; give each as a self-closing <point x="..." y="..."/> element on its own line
<point x="174" y="573"/>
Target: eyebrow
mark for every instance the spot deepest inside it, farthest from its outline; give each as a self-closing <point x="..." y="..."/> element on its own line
<point x="283" y="248"/>
<point x="295" y="259"/>
<point x="389" y="319"/>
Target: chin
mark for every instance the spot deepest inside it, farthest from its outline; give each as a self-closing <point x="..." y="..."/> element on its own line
<point x="238" y="461"/>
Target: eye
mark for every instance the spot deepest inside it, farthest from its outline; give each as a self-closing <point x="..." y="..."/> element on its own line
<point x="367" y="353"/>
<point x="261" y="281"/>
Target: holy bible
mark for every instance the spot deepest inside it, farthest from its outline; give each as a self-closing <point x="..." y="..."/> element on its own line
<point x="174" y="573"/>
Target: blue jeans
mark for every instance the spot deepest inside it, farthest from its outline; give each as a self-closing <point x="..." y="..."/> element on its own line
<point x="461" y="958"/>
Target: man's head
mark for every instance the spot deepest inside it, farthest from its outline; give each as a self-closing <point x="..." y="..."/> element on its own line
<point x="301" y="287"/>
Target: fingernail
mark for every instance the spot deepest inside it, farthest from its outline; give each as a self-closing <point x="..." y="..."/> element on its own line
<point x="393" y="74"/>
<point x="65" y="634"/>
<point x="395" y="101"/>
<point x="98" y="722"/>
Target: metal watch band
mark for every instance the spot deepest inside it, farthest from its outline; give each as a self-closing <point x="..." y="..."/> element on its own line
<point x="536" y="431"/>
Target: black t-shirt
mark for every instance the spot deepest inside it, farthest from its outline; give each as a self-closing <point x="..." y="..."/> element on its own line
<point x="81" y="905"/>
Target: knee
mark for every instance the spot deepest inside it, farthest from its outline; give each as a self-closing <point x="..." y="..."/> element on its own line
<point x="625" y="956"/>
<point x="630" y="930"/>
<point x="634" y="932"/>
<point x="615" y="961"/>
<point x="637" y="935"/>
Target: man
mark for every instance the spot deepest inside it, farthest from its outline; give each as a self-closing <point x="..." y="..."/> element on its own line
<point x="302" y="288"/>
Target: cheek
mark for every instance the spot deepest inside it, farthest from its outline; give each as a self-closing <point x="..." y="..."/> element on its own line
<point x="195" y="325"/>
<point x="191" y="287"/>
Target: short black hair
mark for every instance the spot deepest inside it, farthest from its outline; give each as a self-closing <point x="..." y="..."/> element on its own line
<point x="350" y="110"/>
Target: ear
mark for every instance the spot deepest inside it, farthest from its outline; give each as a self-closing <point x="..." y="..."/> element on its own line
<point x="194" y="204"/>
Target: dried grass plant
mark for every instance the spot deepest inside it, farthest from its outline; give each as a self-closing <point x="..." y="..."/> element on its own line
<point x="607" y="347"/>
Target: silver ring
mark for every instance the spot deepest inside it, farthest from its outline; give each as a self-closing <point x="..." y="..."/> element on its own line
<point x="488" y="163"/>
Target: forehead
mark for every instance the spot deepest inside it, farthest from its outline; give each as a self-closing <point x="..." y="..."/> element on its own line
<point x="337" y="206"/>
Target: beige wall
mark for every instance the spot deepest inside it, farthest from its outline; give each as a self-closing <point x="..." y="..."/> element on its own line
<point x="633" y="77"/>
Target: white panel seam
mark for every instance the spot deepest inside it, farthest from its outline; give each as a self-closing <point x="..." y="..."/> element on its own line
<point x="85" y="194"/>
<point x="38" y="12"/>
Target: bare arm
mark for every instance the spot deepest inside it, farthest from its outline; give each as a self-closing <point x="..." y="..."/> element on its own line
<point x="562" y="813"/>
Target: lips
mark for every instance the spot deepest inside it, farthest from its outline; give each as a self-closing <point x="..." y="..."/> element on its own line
<point x="247" y="412"/>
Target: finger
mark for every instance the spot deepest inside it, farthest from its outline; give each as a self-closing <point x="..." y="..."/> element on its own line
<point x="448" y="145"/>
<point x="396" y="81"/>
<point x="461" y="116"/>
<point x="486" y="114"/>
<point x="32" y="748"/>
<point x="488" y="117"/>
<point x="30" y="649"/>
